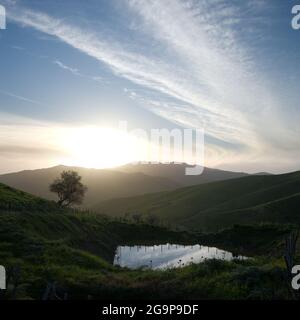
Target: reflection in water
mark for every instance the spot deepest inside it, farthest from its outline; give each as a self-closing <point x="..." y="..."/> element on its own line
<point x="167" y="256"/>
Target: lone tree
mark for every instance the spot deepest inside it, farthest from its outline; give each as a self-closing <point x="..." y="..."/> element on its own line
<point x="69" y="188"/>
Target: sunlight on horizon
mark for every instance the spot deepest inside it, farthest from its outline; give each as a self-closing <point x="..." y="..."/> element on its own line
<point x="100" y="147"/>
<point x="105" y="147"/>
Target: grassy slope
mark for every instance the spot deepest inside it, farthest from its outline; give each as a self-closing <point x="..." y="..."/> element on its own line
<point x="220" y="204"/>
<point x="102" y="184"/>
<point x="16" y="200"/>
<point x="259" y="240"/>
<point x="76" y="251"/>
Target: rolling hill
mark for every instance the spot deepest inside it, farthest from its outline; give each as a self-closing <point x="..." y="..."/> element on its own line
<point x="125" y="181"/>
<point x="37" y="218"/>
<point x="212" y="206"/>
<point x="16" y="200"/>
<point x="75" y="251"/>
<point x="176" y="172"/>
<point x="102" y="184"/>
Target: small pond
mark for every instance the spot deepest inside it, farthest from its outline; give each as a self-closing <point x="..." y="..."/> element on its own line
<point x="168" y="256"/>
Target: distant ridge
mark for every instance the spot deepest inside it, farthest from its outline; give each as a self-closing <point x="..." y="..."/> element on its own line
<point x="262" y="174"/>
<point x="102" y="184"/>
<point x="176" y="172"/>
<point x="125" y="181"/>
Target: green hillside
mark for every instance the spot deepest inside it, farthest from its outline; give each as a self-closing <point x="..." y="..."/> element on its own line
<point x="75" y="250"/>
<point x="102" y="184"/>
<point x="252" y="199"/>
<point x="16" y="200"/>
<point x="28" y="217"/>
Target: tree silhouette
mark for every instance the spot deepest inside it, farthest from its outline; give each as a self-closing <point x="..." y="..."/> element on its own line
<point x="69" y="189"/>
<point x="137" y="217"/>
<point x="152" y="219"/>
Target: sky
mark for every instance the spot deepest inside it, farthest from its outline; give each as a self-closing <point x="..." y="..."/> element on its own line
<point x="71" y="68"/>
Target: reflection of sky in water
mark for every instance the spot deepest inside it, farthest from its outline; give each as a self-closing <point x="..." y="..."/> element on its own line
<point x="167" y="255"/>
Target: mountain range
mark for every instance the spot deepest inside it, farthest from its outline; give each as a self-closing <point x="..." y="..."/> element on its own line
<point x="125" y="181"/>
<point x="209" y="205"/>
<point x="176" y="172"/>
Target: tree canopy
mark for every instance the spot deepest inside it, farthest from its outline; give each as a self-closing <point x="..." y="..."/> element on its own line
<point x="69" y="188"/>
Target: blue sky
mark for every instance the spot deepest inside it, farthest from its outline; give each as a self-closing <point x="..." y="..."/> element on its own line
<point x="230" y="67"/>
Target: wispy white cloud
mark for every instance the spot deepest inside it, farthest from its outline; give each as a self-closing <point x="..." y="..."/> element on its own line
<point x="65" y="67"/>
<point x="28" y="143"/>
<point x="19" y="97"/>
<point x="204" y="64"/>
<point x="205" y="37"/>
<point x="76" y="72"/>
<point x="17" y="48"/>
<point x="152" y="73"/>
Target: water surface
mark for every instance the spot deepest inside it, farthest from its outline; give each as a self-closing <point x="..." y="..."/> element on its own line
<point x="168" y="256"/>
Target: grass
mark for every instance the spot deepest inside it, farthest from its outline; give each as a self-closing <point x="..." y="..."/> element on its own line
<point x="214" y="206"/>
<point x="75" y="251"/>
<point x="16" y="200"/>
<point x="250" y="240"/>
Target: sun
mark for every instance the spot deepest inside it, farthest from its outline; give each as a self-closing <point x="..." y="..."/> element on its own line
<point x="98" y="147"/>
